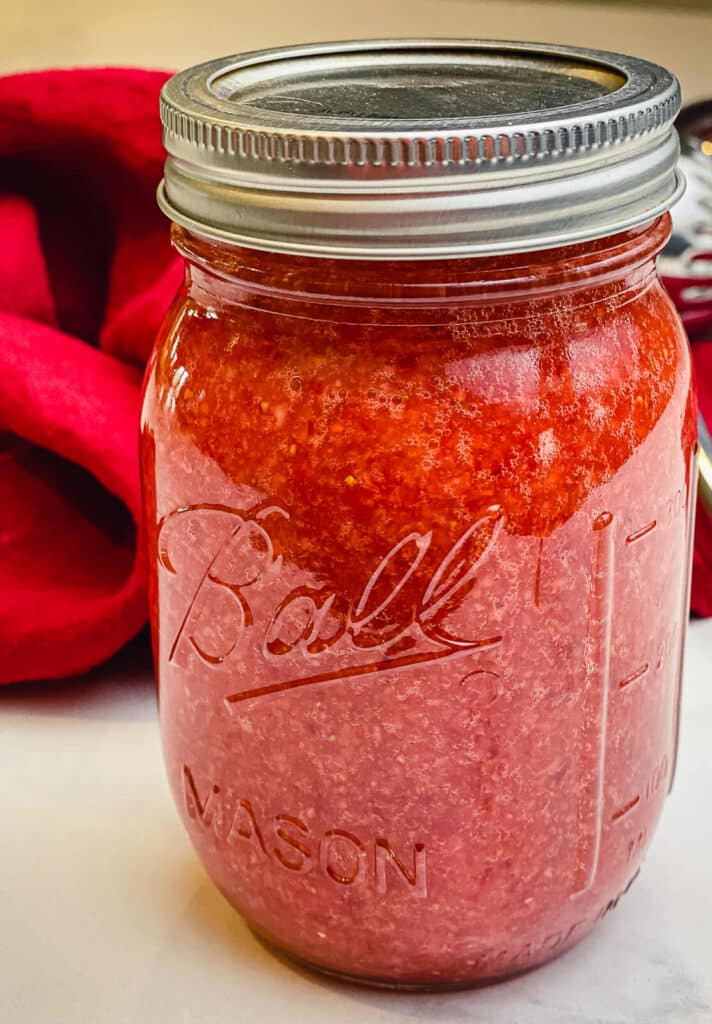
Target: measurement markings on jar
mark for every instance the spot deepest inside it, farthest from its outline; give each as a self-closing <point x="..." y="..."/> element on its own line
<point x="666" y="649"/>
<point x="644" y="531"/>
<point x="633" y="677"/>
<point x="625" y="809"/>
<point x="636" y="845"/>
<point x="654" y="784"/>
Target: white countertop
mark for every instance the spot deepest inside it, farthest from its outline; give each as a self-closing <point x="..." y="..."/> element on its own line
<point x="106" y="916"/>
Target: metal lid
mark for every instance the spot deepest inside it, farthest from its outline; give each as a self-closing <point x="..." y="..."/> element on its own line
<point x="418" y="148"/>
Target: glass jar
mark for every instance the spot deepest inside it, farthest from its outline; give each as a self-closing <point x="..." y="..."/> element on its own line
<point x="419" y="514"/>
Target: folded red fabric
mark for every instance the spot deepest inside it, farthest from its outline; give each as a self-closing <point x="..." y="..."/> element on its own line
<point x="702" y="557"/>
<point x="86" y="273"/>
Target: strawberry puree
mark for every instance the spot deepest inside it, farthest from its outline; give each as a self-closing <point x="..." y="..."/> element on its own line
<point x="418" y="543"/>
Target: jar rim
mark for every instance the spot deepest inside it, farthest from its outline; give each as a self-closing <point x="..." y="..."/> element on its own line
<point x="510" y="282"/>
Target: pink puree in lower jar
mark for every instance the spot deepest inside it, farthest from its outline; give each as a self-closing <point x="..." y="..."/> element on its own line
<point x="418" y="586"/>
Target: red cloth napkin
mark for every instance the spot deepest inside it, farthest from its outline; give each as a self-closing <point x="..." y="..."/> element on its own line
<point x="702" y="558"/>
<point x="86" y="273"/>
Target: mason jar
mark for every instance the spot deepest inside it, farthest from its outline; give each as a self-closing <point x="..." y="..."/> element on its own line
<point x="418" y="444"/>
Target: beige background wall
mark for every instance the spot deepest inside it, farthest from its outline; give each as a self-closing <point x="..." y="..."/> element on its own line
<point x="174" y="33"/>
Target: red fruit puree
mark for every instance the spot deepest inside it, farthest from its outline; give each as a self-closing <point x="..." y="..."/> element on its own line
<point x="418" y="543"/>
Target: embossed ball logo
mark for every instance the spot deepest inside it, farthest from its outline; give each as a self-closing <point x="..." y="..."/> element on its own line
<point x="309" y="634"/>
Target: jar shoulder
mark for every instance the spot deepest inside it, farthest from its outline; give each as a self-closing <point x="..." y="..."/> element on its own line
<point x="588" y="346"/>
<point x="430" y="416"/>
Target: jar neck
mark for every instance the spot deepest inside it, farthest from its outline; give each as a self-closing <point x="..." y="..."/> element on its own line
<point x="614" y="268"/>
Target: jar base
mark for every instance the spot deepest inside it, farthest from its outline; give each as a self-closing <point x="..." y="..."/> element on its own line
<point x="367" y="981"/>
